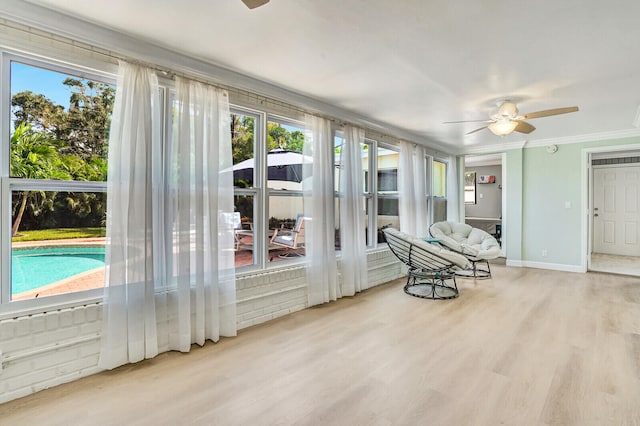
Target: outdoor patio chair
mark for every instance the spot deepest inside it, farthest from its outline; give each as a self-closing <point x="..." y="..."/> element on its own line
<point x="242" y="234"/>
<point x="431" y="273"/>
<point x="291" y="239"/>
<point x="475" y="244"/>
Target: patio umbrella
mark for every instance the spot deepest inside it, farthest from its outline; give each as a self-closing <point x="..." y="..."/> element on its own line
<point x="281" y="165"/>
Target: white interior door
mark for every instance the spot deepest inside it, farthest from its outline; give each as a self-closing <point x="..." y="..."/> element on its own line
<point x="616" y="210"/>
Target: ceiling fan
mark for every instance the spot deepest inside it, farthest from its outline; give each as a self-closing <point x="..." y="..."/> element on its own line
<point x="252" y="4"/>
<point x="507" y="120"/>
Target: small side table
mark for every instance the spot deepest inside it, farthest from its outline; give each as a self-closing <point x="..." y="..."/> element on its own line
<point x="432" y="240"/>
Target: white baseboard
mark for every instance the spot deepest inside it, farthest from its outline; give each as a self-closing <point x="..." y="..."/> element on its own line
<point x="543" y="265"/>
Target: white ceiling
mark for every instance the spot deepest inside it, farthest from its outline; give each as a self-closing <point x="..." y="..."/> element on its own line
<point x="414" y="63"/>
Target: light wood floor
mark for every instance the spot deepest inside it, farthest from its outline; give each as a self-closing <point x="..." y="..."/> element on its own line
<point x="529" y="347"/>
<point x="628" y="265"/>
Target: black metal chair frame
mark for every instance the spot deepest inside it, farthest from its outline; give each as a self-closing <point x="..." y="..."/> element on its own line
<point x="476" y="272"/>
<point x="428" y="273"/>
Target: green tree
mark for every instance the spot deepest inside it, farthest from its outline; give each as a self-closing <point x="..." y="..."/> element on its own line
<point x="39" y="112"/>
<point x="34" y="155"/>
<point x="242" y="139"/>
<point x="86" y="125"/>
<point x="280" y="137"/>
<point x="53" y="143"/>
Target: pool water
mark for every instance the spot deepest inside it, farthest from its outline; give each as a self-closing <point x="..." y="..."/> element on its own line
<point x="33" y="268"/>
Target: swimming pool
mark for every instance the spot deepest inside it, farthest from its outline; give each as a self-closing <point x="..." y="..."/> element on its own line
<point x="34" y="268"/>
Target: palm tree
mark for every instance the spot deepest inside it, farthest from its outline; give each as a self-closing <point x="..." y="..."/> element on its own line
<point x="34" y="155"/>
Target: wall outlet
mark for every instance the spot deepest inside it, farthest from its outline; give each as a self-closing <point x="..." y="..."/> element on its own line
<point x="544" y="252"/>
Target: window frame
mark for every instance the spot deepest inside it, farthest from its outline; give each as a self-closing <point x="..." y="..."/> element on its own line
<point x="10" y="184"/>
<point x="276" y="192"/>
<point x="444" y="197"/>
<point x="385" y="195"/>
<point x="474" y="190"/>
<point x="259" y="184"/>
<point x="371" y="201"/>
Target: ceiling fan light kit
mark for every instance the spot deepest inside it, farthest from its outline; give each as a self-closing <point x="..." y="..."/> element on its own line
<point x="503" y="127"/>
<point x="507" y="120"/>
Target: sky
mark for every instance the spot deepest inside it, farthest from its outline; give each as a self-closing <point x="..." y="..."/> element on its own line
<point x="38" y="80"/>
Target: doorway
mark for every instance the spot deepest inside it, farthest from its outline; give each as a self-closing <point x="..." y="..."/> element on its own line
<point x="615" y="212"/>
<point x="484" y="202"/>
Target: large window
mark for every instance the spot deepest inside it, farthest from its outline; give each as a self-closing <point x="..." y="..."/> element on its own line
<point x="55" y="180"/>
<point x="267" y="166"/>
<point x="245" y="132"/>
<point x="338" y="170"/>
<point x="439" y="190"/>
<point x="387" y="190"/>
<point x="368" y="164"/>
<point x="53" y="173"/>
<point x="285" y="207"/>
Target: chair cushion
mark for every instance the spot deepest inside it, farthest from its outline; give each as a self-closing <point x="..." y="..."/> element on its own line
<point x="472" y="242"/>
<point x="284" y="238"/>
<point x="452" y="257"/>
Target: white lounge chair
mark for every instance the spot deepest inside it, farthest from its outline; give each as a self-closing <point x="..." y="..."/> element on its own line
<point x="291" y="239"/>
<point x="475" y="244"/>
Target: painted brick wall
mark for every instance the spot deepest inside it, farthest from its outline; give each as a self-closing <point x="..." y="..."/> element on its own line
<point x="44" y="350"/>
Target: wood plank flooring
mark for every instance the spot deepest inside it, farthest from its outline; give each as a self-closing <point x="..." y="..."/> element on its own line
<point x="529" y="347"/>
<point x="628" y="265"/>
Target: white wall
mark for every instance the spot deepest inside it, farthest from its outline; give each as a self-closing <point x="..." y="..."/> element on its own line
<point x="44" y="350"/>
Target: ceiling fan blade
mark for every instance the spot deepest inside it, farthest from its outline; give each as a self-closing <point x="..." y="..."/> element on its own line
<point x="468" y="121"/>
<point x="252" y="4"/>
<point x="476" y="130"/>
<point x="523" y="127"/>
<point x="549" y="112"/>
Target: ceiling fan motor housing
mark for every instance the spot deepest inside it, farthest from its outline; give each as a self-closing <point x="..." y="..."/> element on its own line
<point x="508" y="109"/>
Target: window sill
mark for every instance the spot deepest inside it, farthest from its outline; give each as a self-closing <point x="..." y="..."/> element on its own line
<point x="22" y="308"/>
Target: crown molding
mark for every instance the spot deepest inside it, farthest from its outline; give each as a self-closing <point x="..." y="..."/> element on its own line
<point x="615" y="134"/>
<point x="488" y="149"/>
<point x="472" y="161"/>
<point x="136" y="49"/>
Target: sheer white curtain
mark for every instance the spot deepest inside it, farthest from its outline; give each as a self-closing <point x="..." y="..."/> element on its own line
<point x="455" y="196"/>
<point x="132" y="263"/>
<point x="199" y="218"/>
<point x="318" y="210"/>
<point x="352" y="214"/>
<point x="412" y="190"/>
<point x="170" y="278"/>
